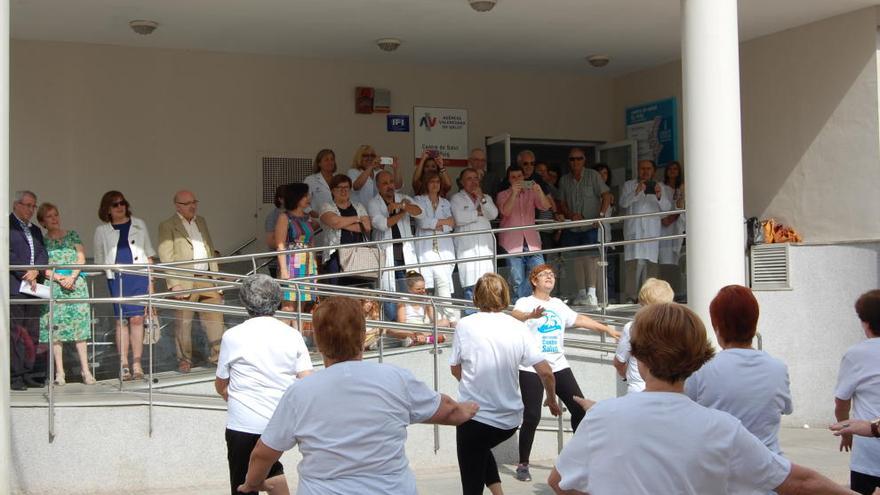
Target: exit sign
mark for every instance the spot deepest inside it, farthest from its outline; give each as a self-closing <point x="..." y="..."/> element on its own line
<point x="398" y="123"/>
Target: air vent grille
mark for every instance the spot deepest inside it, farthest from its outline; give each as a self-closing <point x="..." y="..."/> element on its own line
<point x="279" y="170"/>
<point x="769" y="266"/>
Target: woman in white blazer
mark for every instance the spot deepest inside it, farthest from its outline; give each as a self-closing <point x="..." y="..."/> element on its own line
<point x="436" y="219"/>
<point x="124" y="239"/>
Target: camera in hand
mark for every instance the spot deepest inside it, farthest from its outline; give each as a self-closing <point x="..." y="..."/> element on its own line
<point x="386" y="160"/>
<point x="432" y="153"/>
<point x="649" y="186"/>
<point x="528" y="184"/>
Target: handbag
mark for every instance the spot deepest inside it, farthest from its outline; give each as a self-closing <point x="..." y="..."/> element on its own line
<point x="152" y="329"/>
<point x="361" y="258"/>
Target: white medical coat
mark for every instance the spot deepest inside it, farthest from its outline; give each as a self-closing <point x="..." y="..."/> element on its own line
<point x="378" y="211"/>
<point x="464" y="210"/>
<point x="642" y="228"/>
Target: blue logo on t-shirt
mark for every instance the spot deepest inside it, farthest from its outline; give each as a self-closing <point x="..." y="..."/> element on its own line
<point x="550" y="322"/>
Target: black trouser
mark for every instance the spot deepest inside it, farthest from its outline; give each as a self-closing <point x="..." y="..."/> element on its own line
<point x="24" y="337"/>
<point x="238" y="454"/>
<point x="533" y="394"/>
<point x="476" y="464"/>
<point x="863" y="483"/>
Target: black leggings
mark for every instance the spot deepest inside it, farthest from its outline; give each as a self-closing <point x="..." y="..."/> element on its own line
<point x="476" y="464"/>
<point x="863" y="483"/>
<point x="532" y="396"/>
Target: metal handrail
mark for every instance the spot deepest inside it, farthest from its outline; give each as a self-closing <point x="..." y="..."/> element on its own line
<point x="178" y="270"/>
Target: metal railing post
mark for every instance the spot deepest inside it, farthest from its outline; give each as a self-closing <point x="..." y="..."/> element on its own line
<point x="94" y="326"/>
<point x="51" y="356"/>
<point x="119" y="324"/>
<point x="436" y="352"/>
<point x="560" y="429"/>
<point x="153" y="321"/>
<point x="299" y="310"/>
<point x="603" y="265"/>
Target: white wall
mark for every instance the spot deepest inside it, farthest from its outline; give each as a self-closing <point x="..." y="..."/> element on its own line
<point x="811" y="152"/>
<point x="89" y="118"/>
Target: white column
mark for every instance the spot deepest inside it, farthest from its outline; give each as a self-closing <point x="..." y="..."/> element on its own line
<point x="712" y="148"/>
<point x="5" y="413"/>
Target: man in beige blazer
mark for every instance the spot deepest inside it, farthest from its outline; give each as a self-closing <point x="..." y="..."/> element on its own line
<point x="185" y="237"/>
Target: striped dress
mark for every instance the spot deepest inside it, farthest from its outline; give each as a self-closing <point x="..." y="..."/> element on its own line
<point x="299" y="235"/>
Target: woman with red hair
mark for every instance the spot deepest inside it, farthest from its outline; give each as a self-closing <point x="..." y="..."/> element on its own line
<point x="749" y="384"/>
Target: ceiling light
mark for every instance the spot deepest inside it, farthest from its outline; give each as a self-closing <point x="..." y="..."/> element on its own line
<point x="598" y="60"/>
<point x="143" y="27"/>
<point x="482" y="5"/>
<point x="388" y="44"/>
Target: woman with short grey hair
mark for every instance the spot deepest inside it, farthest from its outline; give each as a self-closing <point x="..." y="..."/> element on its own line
<point x="260" y="295"/>
<point x="259" y="359"/>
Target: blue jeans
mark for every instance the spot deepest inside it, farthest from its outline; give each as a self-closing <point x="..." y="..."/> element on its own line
<point x="520" y="268"/>
<point x="390" y="308"/>
<point x="469" y="295"/>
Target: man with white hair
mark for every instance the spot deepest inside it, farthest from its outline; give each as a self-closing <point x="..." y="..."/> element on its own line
<point x="25" y="248"/>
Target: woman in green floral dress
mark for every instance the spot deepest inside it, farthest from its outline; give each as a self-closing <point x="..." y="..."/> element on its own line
<point x="71" y="320"/>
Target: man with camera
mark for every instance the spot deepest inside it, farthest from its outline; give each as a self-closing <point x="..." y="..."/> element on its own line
<point x="642" y="195"/>
<point x="517" y="205"/>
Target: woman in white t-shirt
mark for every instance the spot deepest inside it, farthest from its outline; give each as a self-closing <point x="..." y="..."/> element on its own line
<point x="258" y="360"/>
<point x="350" y="419"/>
<point x="660" y="441"/>
<point x="749" y="384"/>
<point x="547" y="318"/>
<point x="487" y="351"/>
<point x="858" y="388"/>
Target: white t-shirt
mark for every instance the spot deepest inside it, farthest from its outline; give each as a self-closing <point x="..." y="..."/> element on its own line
<point x="859" y="380"/>
<point x="261" y="358"/>
<point x="634" y="382"/>
<point x="548" y="330"/>
<point x="751" y="385"/>
<point x="350" y="423"/>
<point x="490" y="347"/>
<point x="663" y="442"/>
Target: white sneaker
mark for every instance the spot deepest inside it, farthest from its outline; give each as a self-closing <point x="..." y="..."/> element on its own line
<point x="591" y="300"/>
<point x="580" y="300"/>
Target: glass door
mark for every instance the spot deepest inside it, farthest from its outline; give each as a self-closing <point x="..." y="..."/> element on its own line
<point x="497" y="161"/>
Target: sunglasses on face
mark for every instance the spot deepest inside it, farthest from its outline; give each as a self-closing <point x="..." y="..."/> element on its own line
<point x="368" y="156"/>
<point x="528" y="163"/>
<point x="575" y="158"/>
<point x="117" y="204"/>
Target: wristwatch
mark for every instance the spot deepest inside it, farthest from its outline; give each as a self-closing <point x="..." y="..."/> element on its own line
<point x="875" y="428"/>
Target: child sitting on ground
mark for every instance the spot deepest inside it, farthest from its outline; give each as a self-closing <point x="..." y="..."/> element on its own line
<point x="419" y="314"/>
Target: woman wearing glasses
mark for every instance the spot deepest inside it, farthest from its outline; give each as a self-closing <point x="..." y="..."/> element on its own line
<point x="547" y="318"/>
<point x="344" y="222"/>
<point x="124" y="239"/>
<point x="364" y="167"/>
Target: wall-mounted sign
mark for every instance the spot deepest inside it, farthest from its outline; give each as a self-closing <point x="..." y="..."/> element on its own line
<point x="371" y="100"/>
<point x="654" y="126"/>
<point x="444" y="130"/>
<point x="398" y="123"/>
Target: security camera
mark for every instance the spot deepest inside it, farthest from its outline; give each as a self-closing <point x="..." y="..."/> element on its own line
<point x="482" y="5"/>
<point x="143" y="27"/>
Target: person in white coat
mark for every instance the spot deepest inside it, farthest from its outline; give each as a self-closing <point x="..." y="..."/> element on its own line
<point x="670" y="250"/>
<point x="436" y="219"/>
<point x="472" y="210"/>
<point x="642" y="195"/>
<point x="319" y="187"/>
<point x="390" y="213"/>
